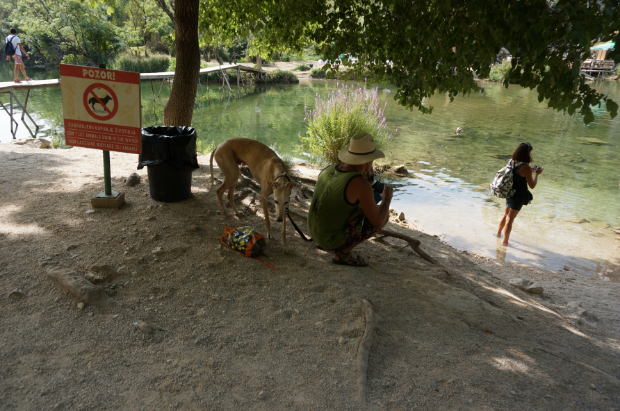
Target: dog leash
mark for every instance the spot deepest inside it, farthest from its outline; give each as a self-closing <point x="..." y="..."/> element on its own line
<point x="297" y="228"/>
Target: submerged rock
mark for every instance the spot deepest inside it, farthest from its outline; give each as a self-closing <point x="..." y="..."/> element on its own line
<point x="591" y="140"/>
<point x="575" y="220"/>
<point x="401" y="170"/>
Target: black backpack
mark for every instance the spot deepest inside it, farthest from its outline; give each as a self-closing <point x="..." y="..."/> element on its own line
<point x="9" y="48"/>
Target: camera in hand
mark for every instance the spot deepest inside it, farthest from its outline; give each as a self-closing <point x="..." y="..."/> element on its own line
<point x="534" y="168"/>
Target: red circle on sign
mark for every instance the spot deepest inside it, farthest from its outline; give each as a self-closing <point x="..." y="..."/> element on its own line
<point x="90" y="99"/>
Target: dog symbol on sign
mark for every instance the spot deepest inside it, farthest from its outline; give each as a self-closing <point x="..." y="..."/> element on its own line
<point x="105" y="100"/>
<point x="100" y="101"/>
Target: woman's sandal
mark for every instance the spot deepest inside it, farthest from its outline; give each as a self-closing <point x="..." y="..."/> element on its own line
<point x="346" y="259"/>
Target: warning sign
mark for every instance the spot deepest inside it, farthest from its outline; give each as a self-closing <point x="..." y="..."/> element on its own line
<point x="101" y="108"/>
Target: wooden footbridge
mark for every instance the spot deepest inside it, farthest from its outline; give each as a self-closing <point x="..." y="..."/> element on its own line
<point x="10" y="87"/>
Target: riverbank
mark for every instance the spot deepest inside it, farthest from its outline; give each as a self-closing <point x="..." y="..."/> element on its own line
<point x="228" y="332"/>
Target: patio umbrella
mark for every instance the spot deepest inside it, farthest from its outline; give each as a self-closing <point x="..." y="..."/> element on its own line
<point x="605" y="46"/>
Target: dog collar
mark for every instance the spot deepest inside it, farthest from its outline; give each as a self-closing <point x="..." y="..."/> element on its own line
<point x="283" y="174"/>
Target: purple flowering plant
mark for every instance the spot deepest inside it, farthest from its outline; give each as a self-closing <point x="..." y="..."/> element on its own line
<point x="338" y="116"/>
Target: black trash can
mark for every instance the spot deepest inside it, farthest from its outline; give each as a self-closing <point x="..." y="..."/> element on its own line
<point x="169" y="153"/>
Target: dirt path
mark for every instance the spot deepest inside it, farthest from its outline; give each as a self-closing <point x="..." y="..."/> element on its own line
<point x="230" y="333"/>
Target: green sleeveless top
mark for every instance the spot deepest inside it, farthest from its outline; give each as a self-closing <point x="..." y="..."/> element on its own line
<point x="330" y="210"/>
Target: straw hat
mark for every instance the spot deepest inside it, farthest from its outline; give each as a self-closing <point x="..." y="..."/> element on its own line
<point x="361" y="150"/>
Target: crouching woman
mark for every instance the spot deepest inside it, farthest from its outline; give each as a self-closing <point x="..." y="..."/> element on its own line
<point x="343" y="212"/>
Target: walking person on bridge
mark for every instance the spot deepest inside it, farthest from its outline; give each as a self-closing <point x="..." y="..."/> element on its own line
<point x="13" y="47"/>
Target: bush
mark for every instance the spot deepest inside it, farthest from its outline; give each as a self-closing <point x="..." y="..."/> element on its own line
<point x="317" y="72"/>
<point x="339" y="116"/>
<point x="279" y="76"/>
<point x="173" y="64"/>
<point x="303" y="67"/>
<point x="499" y="73"/>
<point x="152" y="64"/>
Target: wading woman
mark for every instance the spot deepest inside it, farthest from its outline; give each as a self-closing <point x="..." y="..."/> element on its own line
<point x="523" y="176"/>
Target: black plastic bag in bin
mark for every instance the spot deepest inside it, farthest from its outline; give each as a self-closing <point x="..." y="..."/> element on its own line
<point x="174" y="146"/>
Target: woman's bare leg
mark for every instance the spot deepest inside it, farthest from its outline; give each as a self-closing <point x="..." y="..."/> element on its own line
<point x="512" y="214"/>
<point x="502" y="222"/>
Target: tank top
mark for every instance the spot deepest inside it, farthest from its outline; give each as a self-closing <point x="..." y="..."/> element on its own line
<point x="519" y="183"/>
<point x="330" y="210"/>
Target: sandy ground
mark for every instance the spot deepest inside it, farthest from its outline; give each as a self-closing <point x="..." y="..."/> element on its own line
<point x="231" y="333"/>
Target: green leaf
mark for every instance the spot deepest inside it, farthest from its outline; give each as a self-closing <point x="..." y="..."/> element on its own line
<point x="110" y="10"/>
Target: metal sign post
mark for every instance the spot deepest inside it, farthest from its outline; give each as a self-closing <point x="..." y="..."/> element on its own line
<point x="107" y="179"/>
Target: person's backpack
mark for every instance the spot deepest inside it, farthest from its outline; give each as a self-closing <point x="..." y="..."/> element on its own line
<point x="9" y="47"/>
<point x="502" y="183"/>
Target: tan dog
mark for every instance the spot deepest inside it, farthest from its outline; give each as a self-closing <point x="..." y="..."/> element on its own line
<point x="266" y="167"/>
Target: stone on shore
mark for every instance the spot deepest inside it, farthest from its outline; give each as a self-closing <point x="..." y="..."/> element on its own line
<point x="80" y="288"/>
<point x="15" y="294"/>
<point x="526" y="285"/>
<point x="103" y="269"/>
<point x="132" y="180"/>
<point x="101" y="273"/>
<point x="34" y="142"/>
<point x="144" y="327"/>
<point x="401" y="216"/>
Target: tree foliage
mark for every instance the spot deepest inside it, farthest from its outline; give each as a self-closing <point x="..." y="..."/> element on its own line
<point x="429" y="46"/>
<point x="87" y="32"/>
<point x="67" y="31"/>
<point x="145" y="21"/>
<point x="266" y="26"/>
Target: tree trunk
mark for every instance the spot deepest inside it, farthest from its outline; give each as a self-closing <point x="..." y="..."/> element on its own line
<point x="180" y="107"/>
<point x="259" y="62"/>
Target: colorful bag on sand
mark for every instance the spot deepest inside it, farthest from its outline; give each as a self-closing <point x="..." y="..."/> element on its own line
<point x="502" y="183"/>
<point x="245" y="240"/>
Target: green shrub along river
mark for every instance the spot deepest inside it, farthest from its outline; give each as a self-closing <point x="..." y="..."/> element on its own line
<point x="575" y="204"/>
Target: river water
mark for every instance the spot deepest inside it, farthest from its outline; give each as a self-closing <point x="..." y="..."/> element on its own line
<point x="575" y="204"/>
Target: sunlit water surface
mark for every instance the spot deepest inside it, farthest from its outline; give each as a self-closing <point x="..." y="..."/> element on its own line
<point x="575" y="204"/>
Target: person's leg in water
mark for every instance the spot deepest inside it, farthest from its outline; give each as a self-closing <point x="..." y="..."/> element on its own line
<point x="510" y="218"/>
<point x="502" y="222"/>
